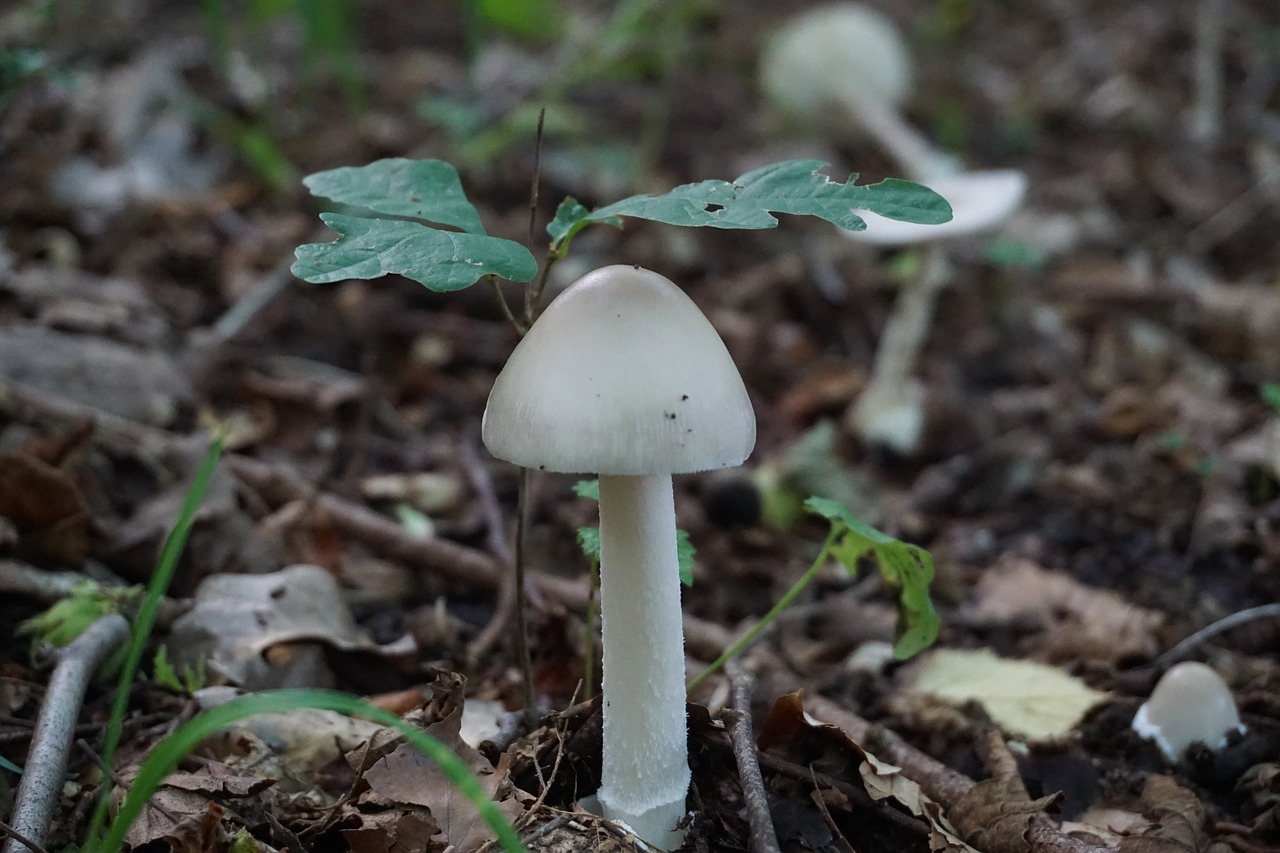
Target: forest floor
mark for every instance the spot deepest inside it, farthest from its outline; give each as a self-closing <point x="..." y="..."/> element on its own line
<point x="1097" y="479"/>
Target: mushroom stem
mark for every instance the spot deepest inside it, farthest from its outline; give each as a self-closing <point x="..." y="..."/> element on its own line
<point x="645" y="774"/>
<point x="890" y="410"/>
<point x="921" y="160"/>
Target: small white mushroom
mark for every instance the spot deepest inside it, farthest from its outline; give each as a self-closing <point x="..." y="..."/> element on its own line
<point x="624" y="377"/>
<point x="1190" y="704"/>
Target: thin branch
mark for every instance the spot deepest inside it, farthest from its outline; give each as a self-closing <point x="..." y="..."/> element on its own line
<point x="505" y="306"/>
<point x="9" y="831"/>
<point x="1227" y="623"/>
<point x="763" y="837"/>
<point x="46" y="768"/>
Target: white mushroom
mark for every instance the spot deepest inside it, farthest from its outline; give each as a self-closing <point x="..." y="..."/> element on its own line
<point x="624" y="377"/>
<point x="847" y="57"/>
<point x="1190" y="704"/>
<point x="850" y="58"/>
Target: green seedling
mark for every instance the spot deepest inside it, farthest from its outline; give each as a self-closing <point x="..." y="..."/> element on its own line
<point x="412" y="218"/>
<point x="187" y="680"/>
<point x="68" y="617"/>
<point x="906" y="569"/>
<point x="1270" y="394"/>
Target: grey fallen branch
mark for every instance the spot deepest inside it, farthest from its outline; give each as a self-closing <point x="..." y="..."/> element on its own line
<point x="51" y="744"/>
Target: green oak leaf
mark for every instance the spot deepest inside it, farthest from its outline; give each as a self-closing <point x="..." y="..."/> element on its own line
<point x="795" y="187"/>
<point x="429" y="190"/>
<point x="390" y="227"/>
<point x="905" y="568"/>
<point x="441" y="260"/>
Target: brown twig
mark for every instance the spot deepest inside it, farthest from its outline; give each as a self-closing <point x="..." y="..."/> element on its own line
<point x="944" y="785"/>
<point x="511" y="596"/>
<point x="763" y="837"/>
<point x="456" y="563"/>
<point x="9" y="831"/>
<point x="280" y="484"/>
<point x="31" y="405"/>
<point x="496" y="540"/>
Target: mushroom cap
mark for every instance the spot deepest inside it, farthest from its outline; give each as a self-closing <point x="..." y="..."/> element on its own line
<point x="1190" y="704"/>
<point x="979" y="200"/>
<point x="622" y="374"/>
<point x="817" y="53"/>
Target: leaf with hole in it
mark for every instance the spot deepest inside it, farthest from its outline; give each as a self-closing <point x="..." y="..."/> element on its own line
<point x="905" y="568"/>
<point x="795" y="187"/>
<point x="391" y="227"/>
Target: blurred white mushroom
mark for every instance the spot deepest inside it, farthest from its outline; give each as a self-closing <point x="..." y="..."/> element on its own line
<point x="851" y="60"/>
<point x="890" y="410"/>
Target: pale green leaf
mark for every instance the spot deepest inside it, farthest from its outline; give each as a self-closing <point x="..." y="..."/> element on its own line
<point x="1027" y="699"/>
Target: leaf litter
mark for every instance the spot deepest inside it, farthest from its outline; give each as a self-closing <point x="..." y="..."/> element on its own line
<point x="1098" y="476"/>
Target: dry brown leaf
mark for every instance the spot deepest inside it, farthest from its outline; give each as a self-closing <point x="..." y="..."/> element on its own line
<point x="1179" y="816"/>
<point x="397" y="831"/>
<point x="45" y="506"/>
<point x="1076" y="621"/>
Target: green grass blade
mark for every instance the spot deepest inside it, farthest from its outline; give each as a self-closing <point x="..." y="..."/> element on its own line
<point x="167" y="754"/>
<point x="143" y="622"/>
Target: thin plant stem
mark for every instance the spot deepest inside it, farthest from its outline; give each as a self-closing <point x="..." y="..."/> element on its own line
<point x="533" y="296"/>
<point x="522" y="619"/>
<point x="505" y="306"/>
<point x="781" y="605"/>
<point x="537" y="176"/>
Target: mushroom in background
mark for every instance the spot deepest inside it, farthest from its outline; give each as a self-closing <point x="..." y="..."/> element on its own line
<point x="851" y="59"/>
<point x="622" y="376"/>
<point x="890" y="410"/>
